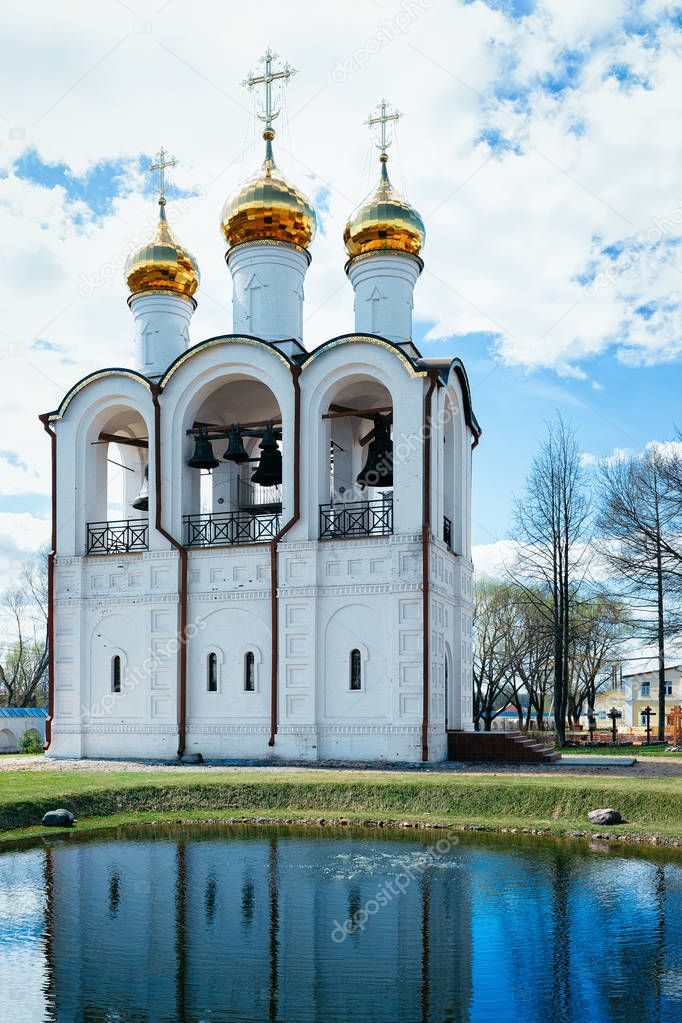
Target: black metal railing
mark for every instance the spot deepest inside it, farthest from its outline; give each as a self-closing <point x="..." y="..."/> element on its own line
<point x="357" y="518"/>
<point x="447" y="532"/>
<point x="118" y="537"/>
<point x="252" y="495"/>
<point x="230" y="528"/>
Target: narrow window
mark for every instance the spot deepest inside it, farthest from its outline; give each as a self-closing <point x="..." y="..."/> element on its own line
<point x="116" y="674"/>
<point x="355" y="670"/>
<point x="212" y="673"/>
<point x="249" y="672"/>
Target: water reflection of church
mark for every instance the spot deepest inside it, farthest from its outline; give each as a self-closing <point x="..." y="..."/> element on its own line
<point x="263" y="550"/>
<point x="209" y="929"/>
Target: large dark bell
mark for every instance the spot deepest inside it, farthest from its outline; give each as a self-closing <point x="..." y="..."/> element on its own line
<point x="378" y="469"/>
<point x="269" y="471"/>
<point x="236" y="452"/>
<point x="203" y="457"/>
<point x="141" y="502"/>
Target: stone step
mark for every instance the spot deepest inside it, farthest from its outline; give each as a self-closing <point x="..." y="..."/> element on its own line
<point x="503" y="747"/>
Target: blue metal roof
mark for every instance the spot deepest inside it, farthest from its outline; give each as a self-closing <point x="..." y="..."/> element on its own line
<point x="23" y="712"/>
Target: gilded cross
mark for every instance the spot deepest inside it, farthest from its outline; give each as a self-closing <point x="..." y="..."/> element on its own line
<point x="266" y="79"/>
<point x="162" y="161"/>
<point x="383" y="117"/>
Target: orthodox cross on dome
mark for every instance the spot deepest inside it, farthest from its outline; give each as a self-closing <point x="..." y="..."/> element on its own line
<point x="161" y="162"/>
<point x="382" y="118"/>
<point x="269" y="76"/>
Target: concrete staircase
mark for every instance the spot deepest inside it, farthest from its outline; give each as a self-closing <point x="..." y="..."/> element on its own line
<point x="502" y="747"/>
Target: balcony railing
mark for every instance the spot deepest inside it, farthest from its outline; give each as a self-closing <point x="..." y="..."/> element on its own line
<point x="230" y="528"/>
<point x="118" y="537"/>
<point x="447" y="532"/>
<point x="357" y="518"/>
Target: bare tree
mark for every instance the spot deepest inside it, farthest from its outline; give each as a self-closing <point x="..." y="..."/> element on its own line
<point x="601" y="628"/>
<point x="532" y="649"/>
<point x="639" y="518"/>
<point x="491" y="659"/>
<point x="23" y="663"/>
<point x="553" y="521"/>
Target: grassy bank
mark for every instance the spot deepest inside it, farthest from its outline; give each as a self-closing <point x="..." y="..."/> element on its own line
<point x="556" y="805"/>
<point x="619" y="751"/>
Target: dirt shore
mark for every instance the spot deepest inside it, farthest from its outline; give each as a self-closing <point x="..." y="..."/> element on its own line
<point x="645" y="768"/>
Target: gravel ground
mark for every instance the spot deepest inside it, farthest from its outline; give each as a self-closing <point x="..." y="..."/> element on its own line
<point x="645" y="768"/>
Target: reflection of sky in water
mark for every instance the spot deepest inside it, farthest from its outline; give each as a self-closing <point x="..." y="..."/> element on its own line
<point x="22" y="920"/>
<point x="237" y="925"/>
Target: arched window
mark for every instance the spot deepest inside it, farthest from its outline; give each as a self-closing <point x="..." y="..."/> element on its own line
<point x="355" y="670"/>
<point x="116" y="674"/>
<point x="212" y="673"/>
<point x="249" y="672"/>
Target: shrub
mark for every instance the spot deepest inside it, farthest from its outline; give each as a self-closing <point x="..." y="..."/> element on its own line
<point x="31" y="742"/>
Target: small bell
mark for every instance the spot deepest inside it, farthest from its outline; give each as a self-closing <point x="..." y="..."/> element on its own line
<point x="378" y="469"/>
<point x="141" y="502"/>
<point x="269" y="471"/>
<point x="203" y="457"/>
<point x="236" y="452"/>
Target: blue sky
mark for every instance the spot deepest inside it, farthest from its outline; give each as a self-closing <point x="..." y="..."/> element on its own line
<point x="513" y="405"/>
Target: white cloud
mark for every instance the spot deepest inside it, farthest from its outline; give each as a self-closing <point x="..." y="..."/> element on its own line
<point x="491" y="560"/>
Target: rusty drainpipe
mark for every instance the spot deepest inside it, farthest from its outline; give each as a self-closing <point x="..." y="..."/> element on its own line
<point x="426" y="535"/>
<point x="45" y="420"/>
<point x="182" y="553"/>
<point x="274" y="602"/>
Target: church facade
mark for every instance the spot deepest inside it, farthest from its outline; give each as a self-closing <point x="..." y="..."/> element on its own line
<point x="261" y="551"/>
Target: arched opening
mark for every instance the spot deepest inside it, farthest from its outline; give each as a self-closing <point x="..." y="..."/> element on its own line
<point x="8" y="742"/>
<point x="355" y="671"/>
<point x="233" y="477"/>
<point x="212" y="673"/>
<point x="116" y="483"/>
<point x="116" y="674"/>
<point x="249" y="672"/>
<point x="449" y="465"/>
<point x="359" y="460"/>
<point x="447" y="685"/>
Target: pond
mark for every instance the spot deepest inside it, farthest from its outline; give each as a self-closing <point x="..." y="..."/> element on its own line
<point x="257" y="924"/>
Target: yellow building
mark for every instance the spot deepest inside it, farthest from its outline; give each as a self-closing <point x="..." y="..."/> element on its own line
<point x="643" y="691"/>
<point x="631" y="694"/>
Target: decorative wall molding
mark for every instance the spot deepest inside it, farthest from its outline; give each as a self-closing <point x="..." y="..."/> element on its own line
<point x="120" y="729"/>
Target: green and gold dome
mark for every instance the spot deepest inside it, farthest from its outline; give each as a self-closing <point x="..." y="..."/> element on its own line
<point x="162" y="264"/>
<point x="384" y="221"/>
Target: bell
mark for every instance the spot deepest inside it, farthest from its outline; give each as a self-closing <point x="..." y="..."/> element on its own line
<point x="141" y="502"/>
<point x="378" y="469"/>
<point x="269" y="471"/>
<point x="236" y="452"/>
<point x="203" y="457"/>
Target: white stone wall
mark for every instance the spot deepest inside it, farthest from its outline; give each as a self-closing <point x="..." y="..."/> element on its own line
<point x="334" y="596"/>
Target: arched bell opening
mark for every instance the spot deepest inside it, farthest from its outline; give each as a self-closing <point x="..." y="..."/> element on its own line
<point x="359" y="454"/>
<point x="449" y="474"/>
<point x="116" y="483"/>
<point x="234" y="468"/>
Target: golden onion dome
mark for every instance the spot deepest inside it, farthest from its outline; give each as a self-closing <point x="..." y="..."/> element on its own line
<point x="162" y="264"/>
<point x="268" y="207"/>
<point x="384" y="221"/>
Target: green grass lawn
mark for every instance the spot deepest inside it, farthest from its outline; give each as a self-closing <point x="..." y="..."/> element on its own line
<point x="556" y="805"/>
<point x="617" y="751"/>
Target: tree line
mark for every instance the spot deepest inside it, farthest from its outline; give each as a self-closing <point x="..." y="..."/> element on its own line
<point x="598" y="565"/>
<point x="23" y="651"/>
